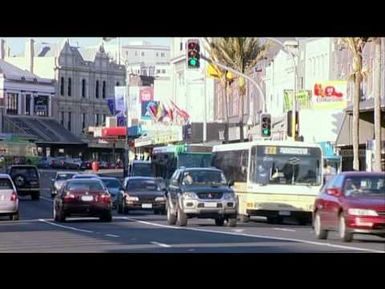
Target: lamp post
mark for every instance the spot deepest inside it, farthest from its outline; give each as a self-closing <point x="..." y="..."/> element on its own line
<point x="286" y="46"/>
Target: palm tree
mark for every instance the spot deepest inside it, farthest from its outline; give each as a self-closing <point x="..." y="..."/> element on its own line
<point x="241" y="54"/>
<point x="356" y="46"/>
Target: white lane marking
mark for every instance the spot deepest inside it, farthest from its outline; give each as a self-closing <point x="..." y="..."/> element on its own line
<point x="161" y="244"/>
<point x="283" y="229"/>
<point x="111" y="235"/>
<point x="263" y="237"/>
<point x="66" y="227"/>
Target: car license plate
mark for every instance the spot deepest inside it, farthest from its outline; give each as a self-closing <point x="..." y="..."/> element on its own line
<point x="210" y="205"/>
<point x="284" y="213"/>
<point x="87" y="198"/>
<point x="146" y="206"/>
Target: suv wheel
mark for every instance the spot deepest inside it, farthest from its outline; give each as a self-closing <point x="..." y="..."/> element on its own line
<point x="219" y="221"/>
<point x="181" y="218"/>
<point x="171" y="219"/>
<point x="232" y="222"/>
<point x="319" y="232"/>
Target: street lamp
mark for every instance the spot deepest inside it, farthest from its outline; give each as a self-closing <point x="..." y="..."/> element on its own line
<point x="288" y="47"/>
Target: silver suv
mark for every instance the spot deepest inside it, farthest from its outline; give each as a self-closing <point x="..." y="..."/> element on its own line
<point x="200" y="193"/>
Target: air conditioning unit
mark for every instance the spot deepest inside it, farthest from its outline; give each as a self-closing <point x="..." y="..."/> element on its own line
<point x="111" y="121"/>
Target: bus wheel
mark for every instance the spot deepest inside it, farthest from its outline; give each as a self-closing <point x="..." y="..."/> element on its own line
<point x="244" y="218"/>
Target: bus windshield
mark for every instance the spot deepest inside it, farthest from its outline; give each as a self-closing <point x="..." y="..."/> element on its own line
<point x="141" y="169"/>
<point x="286" y="165"/>
<point x="190" y="160"/>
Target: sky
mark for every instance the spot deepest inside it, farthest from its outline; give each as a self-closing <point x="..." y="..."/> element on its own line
<point x="17" y="44"/>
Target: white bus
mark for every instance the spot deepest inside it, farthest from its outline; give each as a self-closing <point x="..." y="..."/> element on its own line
<point x="273" y="179"/>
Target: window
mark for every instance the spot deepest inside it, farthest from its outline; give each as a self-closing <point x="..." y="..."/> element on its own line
<point x="104" y="90"/>
<point x="97" y="89"/>
<point x="158" y="71"/>
<point x="142" y="53"/>
<point x="104" y="119"/>
<point x="96" y="119"/>
<point x="69" y="86"/>
<point x="62" y="86"/>
<point x="83" y="121"/>
<point x="12" y="103"/>
<point x="157" y="54"/>
<point x="83" y="88"/>
<point x="69" y="120"/>
<point x="181" y="46"/>
<point x="117" y="83"/>
<point x="163" y="70"/>
<point x="162" y="54"/>
<point x="62" y="118"/>
<point x="28" y="104"/>
<point x="233" y="163"/>
<point x="40" y="104"/>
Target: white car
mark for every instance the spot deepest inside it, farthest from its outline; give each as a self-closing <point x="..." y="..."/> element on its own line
<point x="9" y="200"/>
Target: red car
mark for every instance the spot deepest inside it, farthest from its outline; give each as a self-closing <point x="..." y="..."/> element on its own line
<point x="350" y="203"/>
<point x="83" y="197"/>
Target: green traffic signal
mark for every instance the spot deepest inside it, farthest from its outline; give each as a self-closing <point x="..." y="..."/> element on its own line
<point x="266" y="132"/>
<point x="193" y="62"/>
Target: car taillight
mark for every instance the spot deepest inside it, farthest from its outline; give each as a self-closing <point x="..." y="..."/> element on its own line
<point x="105" y="198"/>
<point x="13" y="197"/>
<point x="69" y="197"/>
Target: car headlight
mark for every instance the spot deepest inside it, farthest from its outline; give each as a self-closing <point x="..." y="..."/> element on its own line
<point x="130" y="198"/>
<point x="228" y="196"/>
<point x="160" y="199"/>
<point x="189" y="195"/>
<point x="362" y="212"/>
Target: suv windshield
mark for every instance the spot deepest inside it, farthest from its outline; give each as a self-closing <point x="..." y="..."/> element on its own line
<point x="203" y="177"/>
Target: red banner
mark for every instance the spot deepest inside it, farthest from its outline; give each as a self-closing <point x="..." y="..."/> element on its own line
<point x="119" y="131"/>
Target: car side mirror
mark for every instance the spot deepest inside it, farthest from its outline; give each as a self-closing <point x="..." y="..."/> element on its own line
<point x="231" y="183"/>
<point x="334" y="192"/>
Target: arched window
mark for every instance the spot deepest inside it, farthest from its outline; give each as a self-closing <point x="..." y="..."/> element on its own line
<point x="69" y="86"/>
<point x="104" y="90"/>
<point x="62" y="86"/>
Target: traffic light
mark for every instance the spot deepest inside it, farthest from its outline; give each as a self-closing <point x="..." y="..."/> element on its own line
<point x="265" y="125"/>
<point x="193" y="56"/>
<point x="289" y="124"/>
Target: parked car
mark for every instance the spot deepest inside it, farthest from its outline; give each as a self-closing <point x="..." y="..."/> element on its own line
<point x="26" y="179"/>
<point x="9" y="200"/>
<point x="58" y="181"/>
<point x="114" y="187"/>
<point x="201" y="193"/>
<point x="83" y="197"/>
<point x="351" y="203"/>
<point x="72" y="163"/>
<point x="142" y="193"/>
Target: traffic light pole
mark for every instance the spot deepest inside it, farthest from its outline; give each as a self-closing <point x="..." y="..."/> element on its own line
<point x="238" y="73"/>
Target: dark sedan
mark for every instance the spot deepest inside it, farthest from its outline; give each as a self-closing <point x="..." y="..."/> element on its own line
<point x="142" y="193"/>
<point x="83" y="197"/>
<point x="351" y="203"/>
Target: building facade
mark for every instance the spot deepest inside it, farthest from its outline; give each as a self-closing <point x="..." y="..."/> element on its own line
<point x="84" y="79"/>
